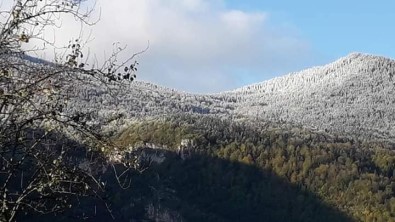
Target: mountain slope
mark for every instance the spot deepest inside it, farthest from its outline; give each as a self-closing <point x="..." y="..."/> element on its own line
<point x="217" y="177"/>
<point x="244" y="168"/>
<point x="352" y="95"/>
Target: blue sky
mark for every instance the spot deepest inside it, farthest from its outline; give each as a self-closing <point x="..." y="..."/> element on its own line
<point x="215" y="45"/>
<point x="334" y="28"/>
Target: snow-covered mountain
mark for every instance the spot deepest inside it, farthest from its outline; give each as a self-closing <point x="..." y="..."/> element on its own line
<point x="353" y="95"/>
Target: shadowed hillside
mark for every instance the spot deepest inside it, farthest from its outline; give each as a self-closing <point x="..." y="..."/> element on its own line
<point x="196" y="187"/>
<point x="205" y="188"/>
<point x="356" y="177"/>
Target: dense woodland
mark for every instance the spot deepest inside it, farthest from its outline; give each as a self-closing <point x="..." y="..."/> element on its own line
<point x="353" y="95"/>
<point x="242" y="166"/>
<point x="239" y="172"/>
<point x="239" y="168"/>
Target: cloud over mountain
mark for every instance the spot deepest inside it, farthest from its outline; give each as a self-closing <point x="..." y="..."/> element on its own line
<point x="195" y="45"/>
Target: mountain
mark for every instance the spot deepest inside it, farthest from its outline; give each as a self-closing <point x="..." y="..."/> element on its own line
<point x="353" y="96"/>
<point x="309" y="146"/>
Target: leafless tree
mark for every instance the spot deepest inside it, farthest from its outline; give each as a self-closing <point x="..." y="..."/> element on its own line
<point x="49" y="156"/>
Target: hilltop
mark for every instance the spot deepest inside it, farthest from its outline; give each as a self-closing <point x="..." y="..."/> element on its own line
<point x="353" y="95"/>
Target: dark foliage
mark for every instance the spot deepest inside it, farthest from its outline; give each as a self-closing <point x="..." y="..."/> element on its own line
<point x="241" y="172"/>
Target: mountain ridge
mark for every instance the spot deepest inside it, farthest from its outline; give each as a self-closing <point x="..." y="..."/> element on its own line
<point x="337" y="63"/>
<point x="346" y="94"/>
<point x="353" y="96"/>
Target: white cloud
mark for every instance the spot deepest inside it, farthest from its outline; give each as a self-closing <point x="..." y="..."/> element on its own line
<point x="195" y="45"/>
<point x="242" y="21"/>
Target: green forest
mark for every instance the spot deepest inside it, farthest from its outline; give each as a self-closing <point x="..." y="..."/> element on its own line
<point x="238" y="171"/>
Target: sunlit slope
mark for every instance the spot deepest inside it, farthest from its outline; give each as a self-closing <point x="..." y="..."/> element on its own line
<point x="353" y="95"/>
